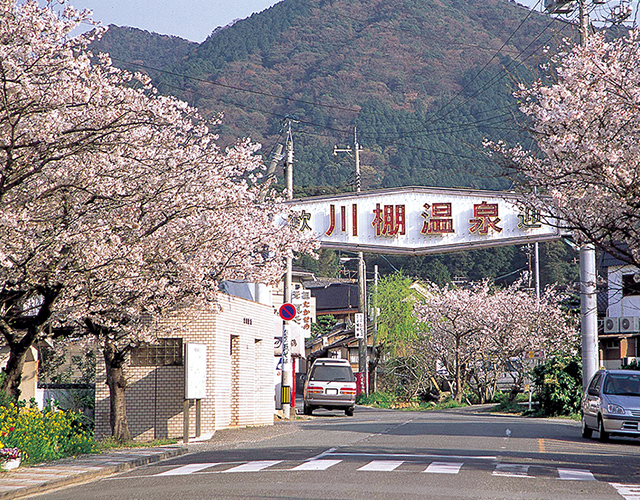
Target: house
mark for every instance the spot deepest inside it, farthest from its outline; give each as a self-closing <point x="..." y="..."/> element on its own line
<point x="619" y="330"/>
<point x="339" y="298"/>
<point x="239" y="381"/>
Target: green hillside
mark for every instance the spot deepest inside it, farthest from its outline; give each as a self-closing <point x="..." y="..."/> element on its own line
<point x="424" y="81"/>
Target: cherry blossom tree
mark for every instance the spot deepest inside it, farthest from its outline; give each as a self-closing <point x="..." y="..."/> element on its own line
<point x="116" y="205"/>
<point x="473" y="330"/>
<point x="587" y="127"/>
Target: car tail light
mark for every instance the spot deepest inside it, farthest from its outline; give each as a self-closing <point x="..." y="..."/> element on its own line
<point x="315" y="390"/>
<point x="348" y="390"/>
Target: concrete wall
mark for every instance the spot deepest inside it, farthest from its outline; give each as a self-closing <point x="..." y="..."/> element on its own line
<point x="240" y="391"/>
<point x="618" y="305"/>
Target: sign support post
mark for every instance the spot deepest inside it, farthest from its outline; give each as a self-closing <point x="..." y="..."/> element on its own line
<point x="195" y="387"/>
<point x="287" y="313"/>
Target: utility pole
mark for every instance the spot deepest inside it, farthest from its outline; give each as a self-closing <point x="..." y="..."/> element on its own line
<point x="287" y="376"/>
<point x="375" y="325"/>
<point x="588" y="285"/>
<point x="363" y="365"/>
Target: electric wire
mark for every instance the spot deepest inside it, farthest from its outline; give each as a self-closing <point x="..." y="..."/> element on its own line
<point x="314" y="104"/>
<point x="458" y="127"/>
<point x="233" y="87"/>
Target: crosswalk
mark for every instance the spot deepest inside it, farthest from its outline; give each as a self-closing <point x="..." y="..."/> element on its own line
<point x="432" y="467"/>
<point x="439" y="466"/>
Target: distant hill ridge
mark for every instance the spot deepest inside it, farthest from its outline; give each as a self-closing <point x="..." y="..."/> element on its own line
<point x="429" y="80"/>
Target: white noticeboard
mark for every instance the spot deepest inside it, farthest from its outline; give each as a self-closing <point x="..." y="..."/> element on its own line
<point x="359" y="323"/>
<point x="195" y="366"/>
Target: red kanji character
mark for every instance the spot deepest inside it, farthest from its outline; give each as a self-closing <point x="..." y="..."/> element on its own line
<point x="485" y="216"/>
<point x="332" y="219"/>
<point x="377" y="220"/>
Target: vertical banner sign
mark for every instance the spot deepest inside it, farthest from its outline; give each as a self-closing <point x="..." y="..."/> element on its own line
<point x="359" y="325"/>
<point x="195" y="366"/>
<point x="305" y="305"/>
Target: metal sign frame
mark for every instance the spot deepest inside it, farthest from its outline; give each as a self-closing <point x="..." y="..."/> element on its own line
<point x="421" y="220"/>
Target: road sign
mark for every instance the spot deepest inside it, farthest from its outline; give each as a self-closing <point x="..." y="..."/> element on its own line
<point x="359" y="325"/>
<point x="287" y="311"/>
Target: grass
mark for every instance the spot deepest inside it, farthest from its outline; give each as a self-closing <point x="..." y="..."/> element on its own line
<point x="392" y="402"/>
<point x="113" y="444"/>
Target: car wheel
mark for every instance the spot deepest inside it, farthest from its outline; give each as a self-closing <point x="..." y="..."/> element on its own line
<point x="586" y="431"/>
<point x="604" y="435"/>
<point x="308" y="409"/>
<point x="349" y="412"/>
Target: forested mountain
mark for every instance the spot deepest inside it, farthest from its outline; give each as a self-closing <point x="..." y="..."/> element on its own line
<point x="139" y="47"/>
<point x="424" y="81"/>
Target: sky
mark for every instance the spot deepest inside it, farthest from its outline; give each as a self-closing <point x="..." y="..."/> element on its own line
<point x="190" y="19"/>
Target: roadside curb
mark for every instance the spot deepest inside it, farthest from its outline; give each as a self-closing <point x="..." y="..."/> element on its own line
<point x="26" y="481"/>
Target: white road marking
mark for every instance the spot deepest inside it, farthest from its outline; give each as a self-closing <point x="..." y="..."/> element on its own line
<point x="382" y="465"/>
<point x="187" y="469"/>
<point x="408" y="455"/>
<point x="576" y="475"/>
<point x="444" y="467"/>
<point x="323" y="454"/>
<point x="627" y="491"/>
<point x="511" y="470"/>
<point x="317" y="465"/>
<point x="253" y="466"/>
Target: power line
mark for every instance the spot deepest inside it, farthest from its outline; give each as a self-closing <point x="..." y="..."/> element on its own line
<point x="486" y="64"/>
<point x="232" y="87"/>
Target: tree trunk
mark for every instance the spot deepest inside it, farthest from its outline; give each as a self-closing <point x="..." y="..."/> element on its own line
<point x="13" y="372"/>
<point x="114" y="361"/>
<point x="17" y="355"/>
<point x="30" y="328"/>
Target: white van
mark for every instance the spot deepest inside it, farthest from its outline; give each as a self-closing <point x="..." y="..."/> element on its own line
<point x="332" y="385"/>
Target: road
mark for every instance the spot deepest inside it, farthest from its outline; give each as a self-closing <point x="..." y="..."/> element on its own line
<point x="384" y="454"/>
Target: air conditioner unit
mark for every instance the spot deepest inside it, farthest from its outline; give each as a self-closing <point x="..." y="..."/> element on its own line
<point x="630" y="324"/>
<point x="611" y="325"/>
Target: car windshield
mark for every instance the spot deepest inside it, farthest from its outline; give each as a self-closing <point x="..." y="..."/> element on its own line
<point x="622" y="384"/>
<point x="332" y="373"/>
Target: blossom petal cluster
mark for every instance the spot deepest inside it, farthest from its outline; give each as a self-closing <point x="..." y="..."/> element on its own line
<point x="586" y="124"/>
<point x="116" y="204"/>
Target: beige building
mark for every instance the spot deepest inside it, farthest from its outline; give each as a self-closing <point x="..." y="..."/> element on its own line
<point x="239" y="383"/>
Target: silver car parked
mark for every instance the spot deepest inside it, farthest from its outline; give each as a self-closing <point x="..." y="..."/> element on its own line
<point x="611" y="404"/>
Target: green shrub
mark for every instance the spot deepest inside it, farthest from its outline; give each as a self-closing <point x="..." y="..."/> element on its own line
<point x="378" y="399"/>
<point x="508" y="405"/>
<point x="44" y="435"/>
<point x="559" y="386"/>
<point x="631" y="366"/>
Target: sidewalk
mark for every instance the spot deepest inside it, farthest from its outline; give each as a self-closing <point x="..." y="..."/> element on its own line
<point x="30" y="480"/>
<point x="25" y="481"/>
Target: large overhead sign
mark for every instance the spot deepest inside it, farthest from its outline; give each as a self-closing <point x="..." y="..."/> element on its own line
<point x="420" y="220"/>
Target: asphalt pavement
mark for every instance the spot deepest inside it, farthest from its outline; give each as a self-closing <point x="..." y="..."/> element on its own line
<point x="26" y="481"/>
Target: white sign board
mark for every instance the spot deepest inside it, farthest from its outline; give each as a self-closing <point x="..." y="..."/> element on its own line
<point x="296" y="340"/>
<point x="306" y="307"/>
<point x="195" y="365"/>
<point x="420" y="220"/>
<point x="359" y="325"/>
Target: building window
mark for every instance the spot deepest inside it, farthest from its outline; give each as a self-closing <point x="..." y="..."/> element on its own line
<point x="354" y="356"/>
<point x="630" y="284"/>
<point x="165" y="352"/>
